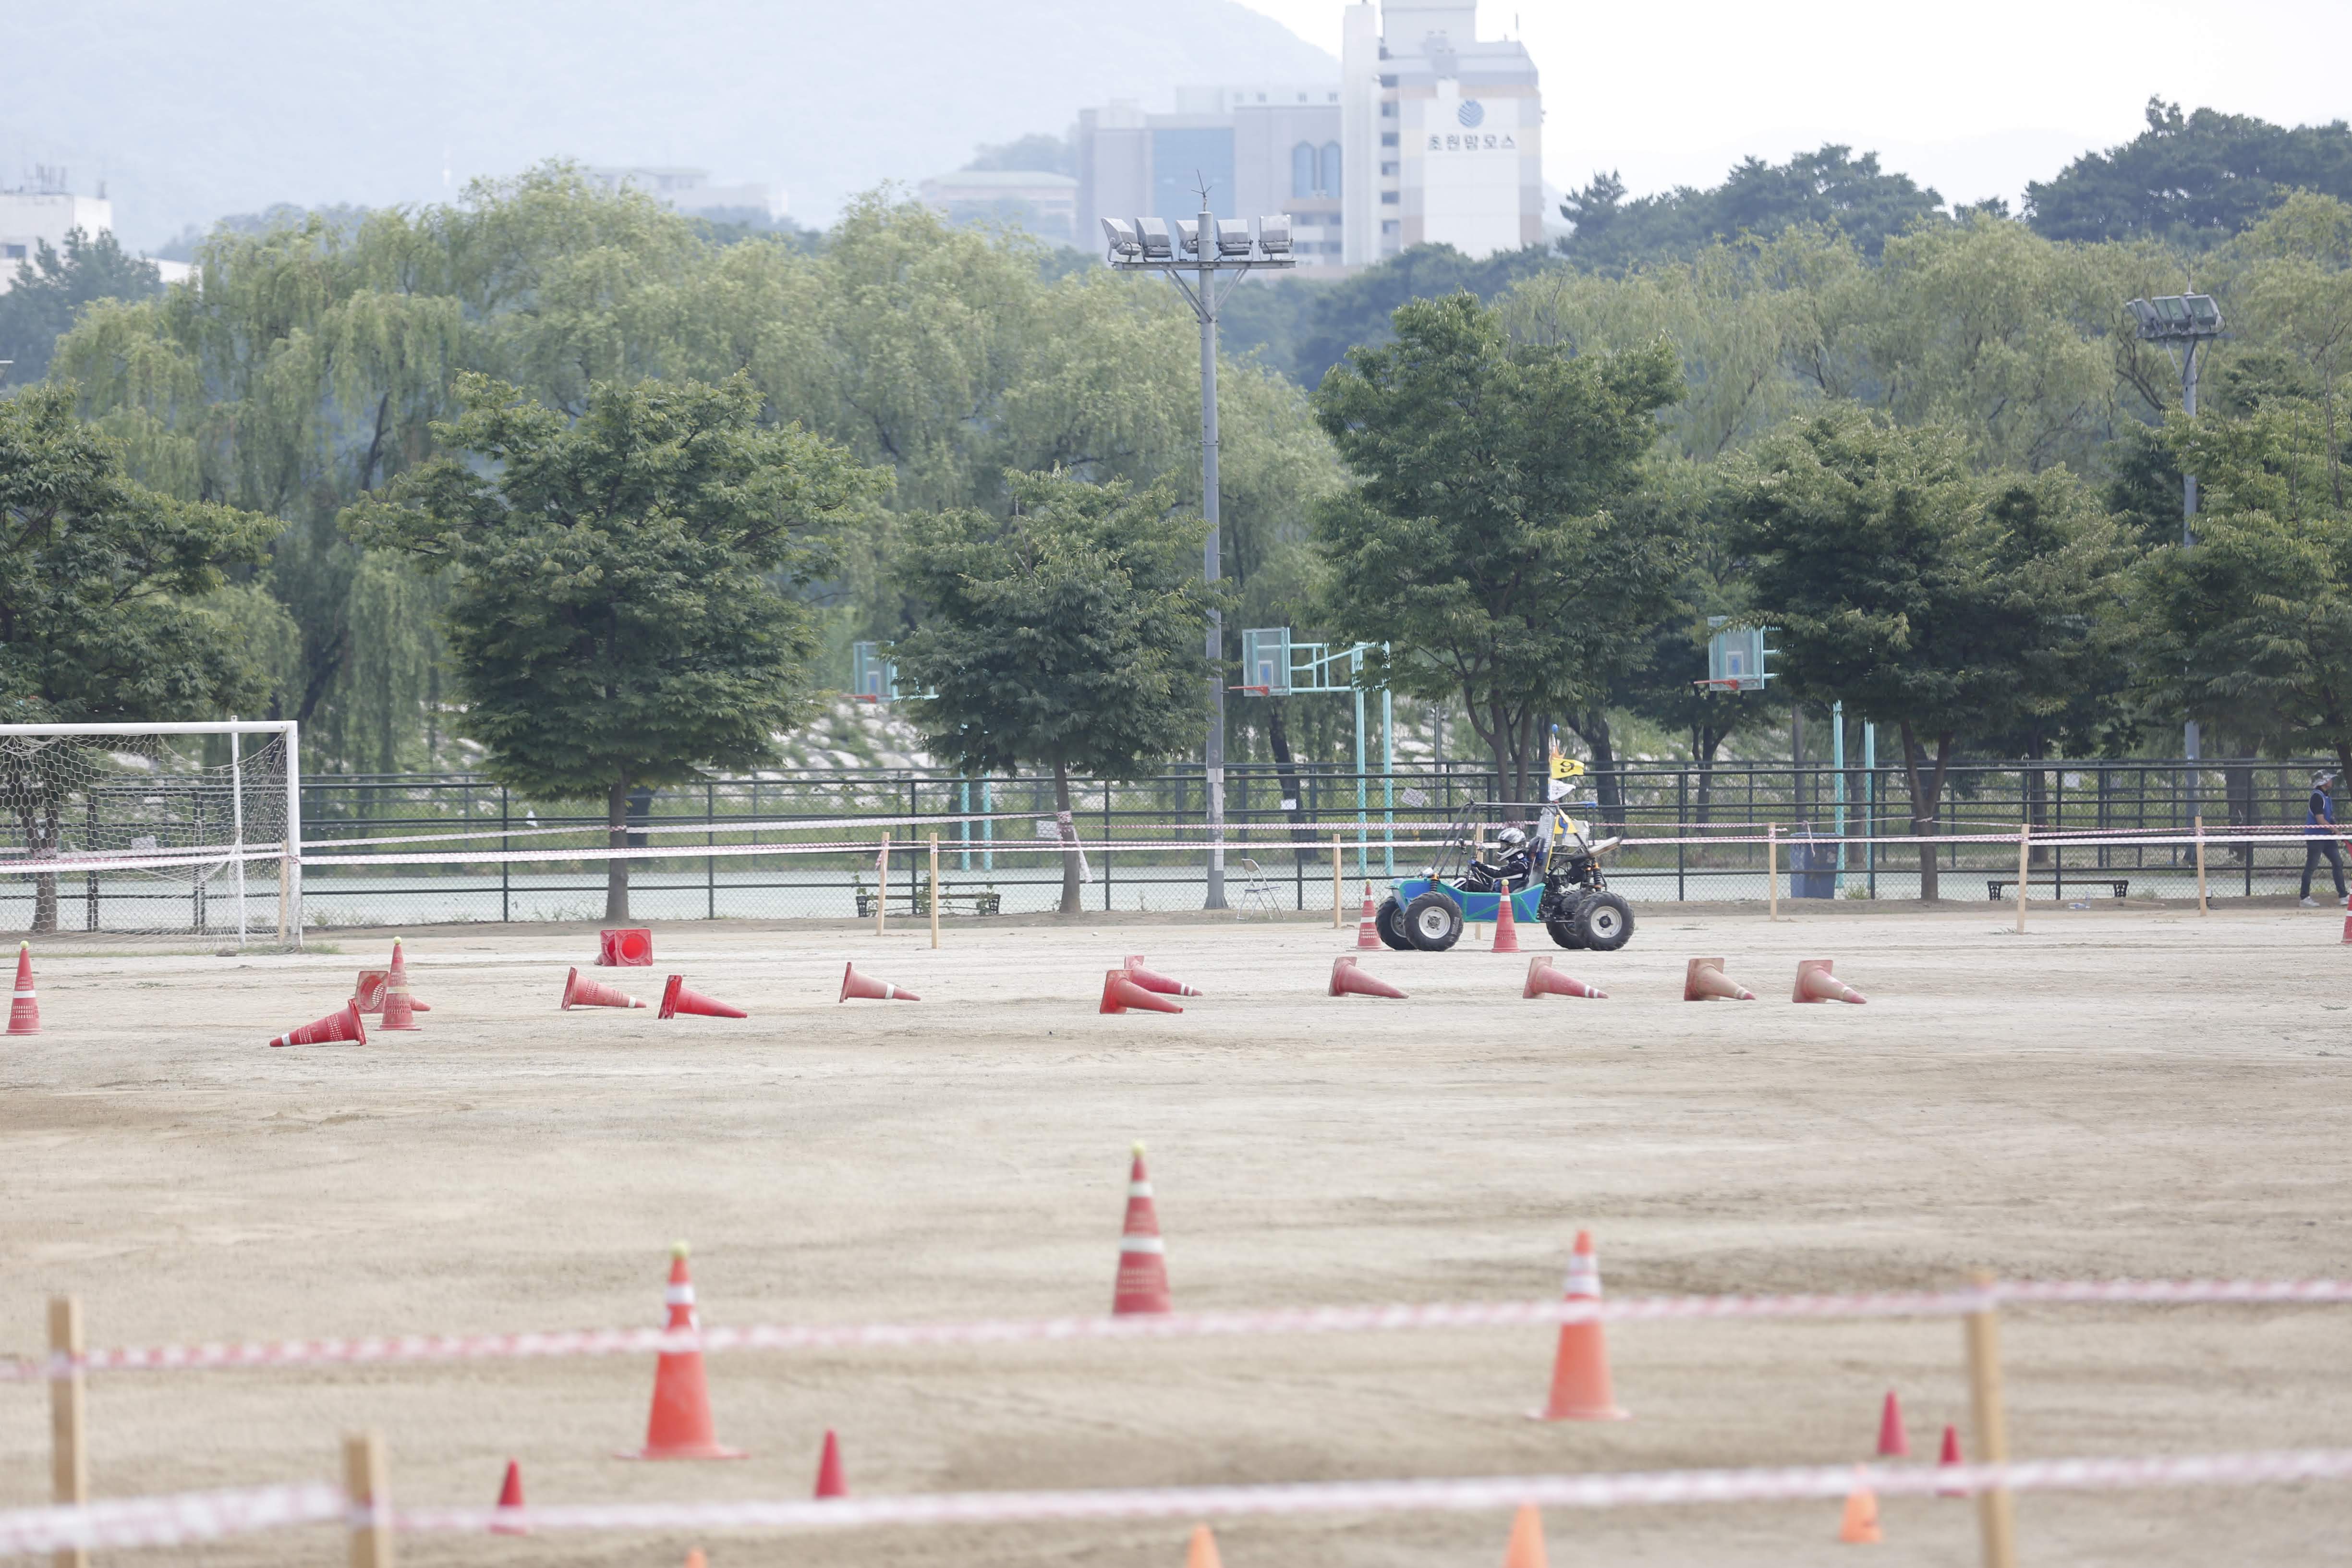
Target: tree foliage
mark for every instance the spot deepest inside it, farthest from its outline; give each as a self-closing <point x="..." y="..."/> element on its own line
<point x="2194" y="179"/>
<point x="1828" y="188"/>
<point x="51" y="288"/>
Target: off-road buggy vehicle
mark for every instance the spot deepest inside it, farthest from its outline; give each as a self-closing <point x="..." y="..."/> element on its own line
<point x="1556" y="879"/>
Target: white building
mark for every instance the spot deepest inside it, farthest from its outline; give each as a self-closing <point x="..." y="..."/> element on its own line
<point x="45" y="213"/>
<point x="690" y="190"/>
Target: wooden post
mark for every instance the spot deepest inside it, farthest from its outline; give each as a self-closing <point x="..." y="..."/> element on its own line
<point x="1772" y="866"/>
<point x="935" y="889"/>
<point x="2024" y="863"/>
<point x="2200" y="868"/>
<point x="882" y="887"/>
<point x="1339" y="899"/>
<point x="367" y="1482"/>
<point x="1996" y="1514"/>
<point x="68" y="1432"/>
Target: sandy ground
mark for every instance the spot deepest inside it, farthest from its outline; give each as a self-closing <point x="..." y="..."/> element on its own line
<point x="2116" y="1093"/>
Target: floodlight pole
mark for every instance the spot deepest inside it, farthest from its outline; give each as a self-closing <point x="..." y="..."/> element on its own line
<point x="2190" y="320"/>
<point x="2191" y="743"/>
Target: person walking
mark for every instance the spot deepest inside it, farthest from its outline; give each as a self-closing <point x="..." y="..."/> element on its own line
<point x="2319" y="838"/>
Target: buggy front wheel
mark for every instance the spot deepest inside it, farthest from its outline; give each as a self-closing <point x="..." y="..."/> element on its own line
<point x="1563" y="929"/>
<point x="1389" y="921"/>
<point x="1432" y="922"/>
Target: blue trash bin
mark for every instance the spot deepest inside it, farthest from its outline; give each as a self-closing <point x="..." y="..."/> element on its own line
<point x="1812" y="865"/>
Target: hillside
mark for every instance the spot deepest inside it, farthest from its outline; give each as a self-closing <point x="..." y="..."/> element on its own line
<point x="189" y="112"/>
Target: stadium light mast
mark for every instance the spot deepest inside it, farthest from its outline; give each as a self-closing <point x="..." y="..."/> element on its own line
<point x="2184" y="322"/>
<point x="1205" y="248"/>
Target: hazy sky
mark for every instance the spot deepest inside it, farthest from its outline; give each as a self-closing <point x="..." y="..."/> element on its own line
<point x="1974" y="99"/>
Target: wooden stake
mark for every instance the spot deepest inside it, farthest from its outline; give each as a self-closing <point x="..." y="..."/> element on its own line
<point x="367" y="1482"/>
<point x="68" y="1432"/>
<point x="1996" y="1513"/>
<point x="1338" y="898"/>
<point x="935" y="889"/>
<point x="2024" y="863"/>
<point x="1772" y="866"/>
<point x="2200" y="868"/>
<point x="882" y="886"/>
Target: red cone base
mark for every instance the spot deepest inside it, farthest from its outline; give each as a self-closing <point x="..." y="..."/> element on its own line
<point x="1151" y="980"/>
<point x="368" y="995"/>
<point x="579" y="992"/>
<point x="1705" y="981"/>
<point x="1543" y="980"/>
<point x="1122" y="995"/>
<point x="1346" y="980"/>
<point x="631" y="948"/>
<point x="1894" y="1443"/>
<point x="24" y="1008"/>
<point x="677" y="999"/>
<point x="337" y="1027"/>
<point x="856" y="984"/>
<point x="1142" y="1283"/>
<point x="1816" y="983"/>
<point x="829" y="1479"/>
<point x="510" y="1501"/>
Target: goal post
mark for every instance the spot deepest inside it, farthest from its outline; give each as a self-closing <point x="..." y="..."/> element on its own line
<point x="188" y="830"/>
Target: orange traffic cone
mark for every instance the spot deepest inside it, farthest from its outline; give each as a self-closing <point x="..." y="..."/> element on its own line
<point x="1860" y="1526"/>
<point x="1580" y="1371"/>
<point x="1894" y="1443"/>
<point x="1151" y="980"/>
<point x="400" y="970"/>
<point x="1525" y="1547"/>
<point x="829" y="1481"/>
<point x="579" y="992"/>
<point x="24" y="1008"/>
<point x="680" y="1427"/>
<point x="1346" y="980"/>
<point x="368" y="995"/>
<point x="856" y="984"/>
<point x="399" y="1006"/>
<point x="1367" y="929"/>
<point x="1543" y="980"/>
<point x="1951" y="1460"/>
<point x="1816" y="983"/>
<point x="695" y="1559"/>
<point x="630" y="948"/>
<point x="1705" y="981"/>
<point x="344" y="1024"/>
<point x="1507" y="925"/>
<point x="1200" y="1552"/>
<point x="1142" y="1283"/>
<point x="510" y="1502"/>
<point x="1121" y="994"/>
<point x="677" y="999"/>
<point x="2347" y="919"/>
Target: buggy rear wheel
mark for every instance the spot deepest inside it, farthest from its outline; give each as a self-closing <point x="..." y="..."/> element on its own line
<point x="1563" y="929"/>
<point x="1389" y="921"/>
<point x="1432" y="922"/>
<point x="1605" y="921"/>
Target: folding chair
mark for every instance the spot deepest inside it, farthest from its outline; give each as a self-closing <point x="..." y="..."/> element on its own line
<point x="1257" y="893"/>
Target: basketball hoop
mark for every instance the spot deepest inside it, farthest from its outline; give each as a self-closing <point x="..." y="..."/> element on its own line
<point x="863" y="697"/>
<point x="1254" y="690"/>
<point x="1709" y="685"/>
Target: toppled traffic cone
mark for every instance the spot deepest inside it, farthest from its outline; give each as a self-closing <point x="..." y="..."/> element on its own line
<point x="510" y="1502"/>
<point x="1200" y="1552"/>
<point x="1894" y="1443"/>
<point x="579" y="992"/>
<point x="1860" y="1526"/>
<point x="368" y="995"/>
<point x="856" y="984"/>
<point x="1579" y="1370"/>
<point x="1951" y="1460"/>
<point x="1120" y="994"/>
<point x="1705" y="981"/>
<point x="1506" y="924"/>
<point x="1346" y="980"/>
<point x="1816" y="983"/>
<point x="344" y="1024"/>
<point x="1142" y="1283"/>
<point x="399" y="1006"/>
<point x="677" y="999"/>
<point x="829" y="1479"/>
<point x="1151" y="980"/>
<point x="680" y="1427"/>
<point x="1543" y="980"/>
<point x="25" y="1008"/>
<point x="631" y="948"/>
<point x="1367" y="929"/>
<point x="1525" y="1547"/>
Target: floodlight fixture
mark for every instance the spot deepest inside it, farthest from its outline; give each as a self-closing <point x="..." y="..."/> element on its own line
<point x="1188" y="236"/>
<point x="1232" y="237"/>
<point x="1153" y="233"/>
<point x="1274" y="234"/>
<point x="2177" y="317"/>
<point x="1118" y="234"/>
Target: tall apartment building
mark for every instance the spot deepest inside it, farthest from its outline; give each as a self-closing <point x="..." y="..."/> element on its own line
<point x="1429" y="136"/>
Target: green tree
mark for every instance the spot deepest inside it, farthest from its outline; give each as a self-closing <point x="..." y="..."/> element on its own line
<point x="1485" y="538"/>
<point x="616" y="618"/>
<point x="1067" y="635"/>
<point x="2195" y="178"/>
<point x="103" y="612"/>
<point x="50" y="289"/>
<point x="1954" y="606"/>
<point x="1827" y="188"/>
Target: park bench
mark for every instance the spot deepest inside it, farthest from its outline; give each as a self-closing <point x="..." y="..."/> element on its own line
<point x="2058" y="885"/>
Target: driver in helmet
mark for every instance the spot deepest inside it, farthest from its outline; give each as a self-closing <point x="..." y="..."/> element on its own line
<point x="1513" y="866"/>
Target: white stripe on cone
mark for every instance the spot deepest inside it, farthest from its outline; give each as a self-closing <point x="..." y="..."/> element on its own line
<point x="1138" y="1189"/>
<point x="1583" y="1278"/>
<point x="678" y="1296"/>
<point x="1142" y="1244"/>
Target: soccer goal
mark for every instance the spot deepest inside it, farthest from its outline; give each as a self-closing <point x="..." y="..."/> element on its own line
<point x="180" y="833"/>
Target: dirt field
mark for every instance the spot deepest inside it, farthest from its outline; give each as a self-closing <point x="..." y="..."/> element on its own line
<point x="2137" y="1093"/>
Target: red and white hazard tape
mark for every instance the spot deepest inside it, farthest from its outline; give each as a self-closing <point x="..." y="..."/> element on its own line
<point x="1174" y="1325"/>
<point x="169" y="1521"/>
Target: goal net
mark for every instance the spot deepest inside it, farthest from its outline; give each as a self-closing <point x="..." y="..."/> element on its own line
<point x="171" y="833"/>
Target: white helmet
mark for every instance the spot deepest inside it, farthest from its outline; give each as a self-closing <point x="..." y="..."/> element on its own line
<point x="1511" y="838"/>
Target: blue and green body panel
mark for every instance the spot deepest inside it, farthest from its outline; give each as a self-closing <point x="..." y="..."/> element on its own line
<point x="1481" y="908"/>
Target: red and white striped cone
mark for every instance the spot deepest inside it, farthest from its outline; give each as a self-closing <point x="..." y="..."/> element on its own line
<point x="1142" y="1283"/>
<point x="1580" y="1390"/>
<point x="24" y="1008"/>
<point x="1368" y="930"/>
<point x="399" y="1010"/>
<point x="1506" y="924"/>
<point x="680" y="1427"/>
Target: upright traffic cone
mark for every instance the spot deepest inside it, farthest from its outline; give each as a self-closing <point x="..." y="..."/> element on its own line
<point x="1367" y="929"/>
<point x="399" y="971"/>
<point x="399" y="1012"/>
<point x="1346" y="980"/>
<point x="25" y="1008"/>
<point x="1816" y="983"/>
<point x="1543" y="980"/>
<point x="579" y="992"/>
<point x="695" y="1559"/>
<point x="344" y="1024"/>
<point x="1200" y="1552"/>
<point x="1949" y="1459"/>
<point x="1894" y="1443"/>
<point x="677" y="999"/>
<point x="1525" y="1547"/>
<point x="1507" y="925"/>
<point x="856" y="984"/>
<point x="510" y="1502"/>
<point x="829" y="1480"/>
<point x="1142" y="1283"/>
<point x="1150" y="979"/>
<point x="1860" y="1525"/>
<point x="1705" y="981"/>
<point x="2347" y="919"/>
<point x="680" y="1427"/>
<point x="1121" y="994"/>
<point x="1580" y="1371"/>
